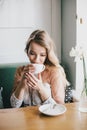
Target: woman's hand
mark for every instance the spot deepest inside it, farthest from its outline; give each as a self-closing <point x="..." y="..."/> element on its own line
<point x="25" y="78"/>
<point x="33" y="81"/>
<point x="29" y="68"/>
<point x="24" y="81"/>
<point x="36" y="83"/>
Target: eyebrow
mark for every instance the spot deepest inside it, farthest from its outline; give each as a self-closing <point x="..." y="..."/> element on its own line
<point x="35" y="51"/>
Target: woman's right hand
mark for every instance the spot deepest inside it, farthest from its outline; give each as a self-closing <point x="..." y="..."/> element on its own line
<point x="29" y="68"/>
<point x="22" y="85"/>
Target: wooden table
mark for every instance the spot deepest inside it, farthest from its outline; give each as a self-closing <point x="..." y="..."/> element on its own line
<point x="29" y="118"/>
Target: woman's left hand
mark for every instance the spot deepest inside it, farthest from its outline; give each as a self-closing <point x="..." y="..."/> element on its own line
<point x="33" y="81"/>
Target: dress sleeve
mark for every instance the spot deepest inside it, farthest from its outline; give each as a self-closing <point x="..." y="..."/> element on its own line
<point x="15" y="103"/>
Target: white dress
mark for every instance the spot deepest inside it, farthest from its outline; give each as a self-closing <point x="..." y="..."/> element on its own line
<point x="32" y="98"/>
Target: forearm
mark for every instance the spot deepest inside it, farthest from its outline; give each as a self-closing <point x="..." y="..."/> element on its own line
<point x="44" y="95"/>
<point x="17" y="96"/>
<point x="19" y="92"/>
<point x="52" y="100"/>
<point x="59" y="96"/>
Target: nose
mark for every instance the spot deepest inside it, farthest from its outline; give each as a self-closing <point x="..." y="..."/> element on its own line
<point x="37" y="59"/>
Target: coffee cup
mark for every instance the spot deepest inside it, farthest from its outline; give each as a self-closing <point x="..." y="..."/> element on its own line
<point x="38" y="68"/>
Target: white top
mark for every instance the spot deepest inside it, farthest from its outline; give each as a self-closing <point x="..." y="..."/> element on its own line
<point x="32" y="98"/>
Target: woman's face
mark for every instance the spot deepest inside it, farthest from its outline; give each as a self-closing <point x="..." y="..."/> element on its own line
<point x="36" y="53"/>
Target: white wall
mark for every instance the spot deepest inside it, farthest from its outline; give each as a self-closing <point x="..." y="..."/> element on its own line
<point x="18" y="18"/>
<point x="81" y="39"/>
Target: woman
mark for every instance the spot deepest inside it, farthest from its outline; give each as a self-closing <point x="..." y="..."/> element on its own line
<point x="49" y="85"/>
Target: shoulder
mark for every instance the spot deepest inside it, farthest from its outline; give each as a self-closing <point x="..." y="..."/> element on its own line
<point x="51" y="72"/>
<point x="58" y="73"/>
<point x="56" y="70"/>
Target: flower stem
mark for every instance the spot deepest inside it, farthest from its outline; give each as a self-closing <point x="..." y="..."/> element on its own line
<point x="85" y="76"/>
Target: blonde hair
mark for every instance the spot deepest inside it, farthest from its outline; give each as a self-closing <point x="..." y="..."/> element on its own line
<point x="42" y="38"/>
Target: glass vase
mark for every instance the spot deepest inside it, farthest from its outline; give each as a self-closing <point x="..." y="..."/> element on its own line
<point x="83" y="101"/>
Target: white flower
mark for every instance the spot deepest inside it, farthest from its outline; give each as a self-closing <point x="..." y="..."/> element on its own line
<point x="78" y="53"/>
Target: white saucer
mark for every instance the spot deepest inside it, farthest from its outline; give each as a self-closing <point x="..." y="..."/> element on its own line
<point x="52" y="110"/>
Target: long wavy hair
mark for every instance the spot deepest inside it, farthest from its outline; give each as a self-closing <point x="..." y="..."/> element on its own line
<point x="43" y="39"/>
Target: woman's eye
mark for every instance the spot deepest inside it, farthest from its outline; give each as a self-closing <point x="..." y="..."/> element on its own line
<point x="43" y="55"/>
<point x="32" y="53"/>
